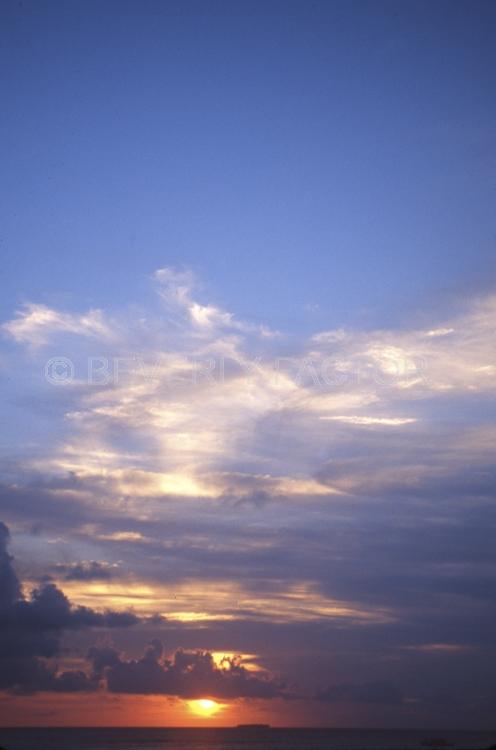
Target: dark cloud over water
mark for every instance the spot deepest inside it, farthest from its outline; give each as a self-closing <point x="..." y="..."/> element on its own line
<point x="31" y="629"/>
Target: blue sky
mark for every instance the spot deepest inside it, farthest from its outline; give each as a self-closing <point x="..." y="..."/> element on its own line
<point x="295" y="155"/>
<point x="248" y="323"/>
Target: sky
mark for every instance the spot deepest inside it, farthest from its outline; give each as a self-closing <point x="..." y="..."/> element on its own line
<point x="247" y="363"/>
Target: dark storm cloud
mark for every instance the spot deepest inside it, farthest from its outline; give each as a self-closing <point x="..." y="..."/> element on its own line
<point x="189" y="674"/>
<point x="31" y="629"/>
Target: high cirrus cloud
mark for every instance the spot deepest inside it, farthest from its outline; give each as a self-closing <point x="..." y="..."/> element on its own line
<point x="195" y="393"/>
<point x="35" y="324"/>
<point x="176" y="288"/>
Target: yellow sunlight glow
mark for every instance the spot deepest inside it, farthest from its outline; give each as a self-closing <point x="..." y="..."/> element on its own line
<point x="205" y="707"/>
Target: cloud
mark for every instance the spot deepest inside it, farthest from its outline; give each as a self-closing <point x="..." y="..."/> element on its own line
<point x="91" y="570"/>
<point x="439" y="648"/>
<point x="30" y="632"/>
<point x="366" y="421"/>
<point x="454" y="357"/>
<point x="189" y="674"/>
<point x="31" y="628"/>
<point x="36" y="324"/>
<point x="336" y="490"/>
<point x="201" y="398"/>
<point x="177" y="421"/>
<point x="176" y="287"/>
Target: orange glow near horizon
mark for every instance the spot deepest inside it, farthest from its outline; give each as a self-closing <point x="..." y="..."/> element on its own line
<point x="102" y="709"/>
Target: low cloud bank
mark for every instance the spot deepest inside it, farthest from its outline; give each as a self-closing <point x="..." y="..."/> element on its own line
<point x="30" y="635"/>
<point x="189" y="674"/>
<point x="31" y="630"/>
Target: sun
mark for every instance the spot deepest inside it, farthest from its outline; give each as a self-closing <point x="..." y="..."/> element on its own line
<point x="205" y="707"/>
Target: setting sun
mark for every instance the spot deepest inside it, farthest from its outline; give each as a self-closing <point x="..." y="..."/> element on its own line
<point x="205" y="707"/>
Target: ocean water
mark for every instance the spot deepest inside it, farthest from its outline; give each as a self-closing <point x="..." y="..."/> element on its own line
<point x="236" y="739"/>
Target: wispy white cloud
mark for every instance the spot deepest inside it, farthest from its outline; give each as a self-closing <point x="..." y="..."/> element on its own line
<point x="187" y="412"/>
<point x="368" y="421"/>
<point x="36" y="324"/>
<point x="456" y="356"/>
<point x="177" y="289"/>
